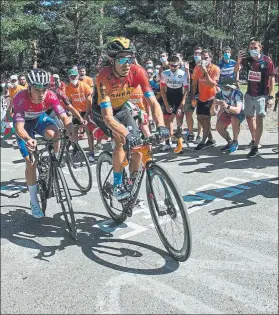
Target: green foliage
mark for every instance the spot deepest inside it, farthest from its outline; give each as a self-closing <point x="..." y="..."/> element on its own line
<point x="71" y="32"/>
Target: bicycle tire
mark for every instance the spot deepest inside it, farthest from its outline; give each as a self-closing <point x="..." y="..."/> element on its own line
<point x="84" y="188"/>
<point x="121" y="215"/>
<point x="185" y="251"/>
<point x="67" y="199"/>
<point x="42" y="193"/>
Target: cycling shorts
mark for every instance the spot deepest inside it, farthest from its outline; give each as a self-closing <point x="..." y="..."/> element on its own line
<point x="38" y="125"/>
<point x="123" y="116"/>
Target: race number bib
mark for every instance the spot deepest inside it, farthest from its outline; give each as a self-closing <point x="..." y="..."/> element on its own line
<point x="254" y="76"/>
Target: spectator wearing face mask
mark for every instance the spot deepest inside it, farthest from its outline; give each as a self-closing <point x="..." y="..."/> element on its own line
<point x="164" y="61"/>
<point x="149" y="64"/>
<point x="205" y="77"/>
<point x="229" y="101"/>
<point x="260" y="92"/>
<point x="227" y="66"/>
<point x="156" y="73"/>
<point x="13" y="90"/>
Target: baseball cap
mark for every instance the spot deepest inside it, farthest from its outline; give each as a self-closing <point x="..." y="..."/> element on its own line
<point x="228" y="82"/>
<point x="72" y="72"/>
<point x="14" y="77"/>
<point x="56" y="76"/>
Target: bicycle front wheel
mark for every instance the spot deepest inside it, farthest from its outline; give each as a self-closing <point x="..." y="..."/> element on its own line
<point x="168" y="212"/>
<point x="79" y="167"/>
<point x="64" y="199"/>
<point x="104" y="174"/>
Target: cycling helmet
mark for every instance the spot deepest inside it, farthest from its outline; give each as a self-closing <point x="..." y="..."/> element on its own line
<point x="118" y="45"/>
<point x="38" y="77"/>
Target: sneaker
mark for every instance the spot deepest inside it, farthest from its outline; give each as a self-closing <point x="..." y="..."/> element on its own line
<point x="233" y="147"/>
<point x="98" y="147"/>
<point x="91" y="158"/>
<point x="226" y="147"/>
<point x="190" y="137"/>
<point x="200" y="146"/>
<point x="120" y="193"/>
<point x="165" y="148"/>
<point x="210" y="143"/>
<point x="254" y="152"/>
<point x="36" y="210"/>
<point x="198" y="140"/>
<point x="252" y="144"/>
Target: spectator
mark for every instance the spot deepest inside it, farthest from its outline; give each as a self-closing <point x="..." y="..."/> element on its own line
<point x="149" y="64"/>
<point x="189" y="109"/>
<point x="227" y="65"/>
<point x="13" y="90"/>
<point x="164" y="61"/>
<point x="260" y="90"/>
<point x="231" y="104"/>
<point x="205" y="77"/>
<point x="22" y="81"/>
<point x="84" y="78"/>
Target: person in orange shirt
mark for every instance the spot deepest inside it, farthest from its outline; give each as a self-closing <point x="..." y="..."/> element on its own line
<point x="13" y="90"/>
<point x="79" y="94"/>
<point x="205" y="77"/>
<point x="85" y="78"/>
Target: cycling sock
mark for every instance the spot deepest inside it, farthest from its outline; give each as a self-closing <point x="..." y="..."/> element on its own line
<point x="33" y="193"/>
<point x="117" y="178"/>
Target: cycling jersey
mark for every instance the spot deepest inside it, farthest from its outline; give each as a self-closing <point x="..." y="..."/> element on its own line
<point x="138" y="99"/>
<point x="113" y="92"/>
<point x="25" y="109"/>
<point x="226" y="69"/>
<point x="175" y="83"/>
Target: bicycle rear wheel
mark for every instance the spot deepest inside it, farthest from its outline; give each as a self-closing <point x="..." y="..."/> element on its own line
<point x="104" y="174"/>
<point x="65" y="201"/>
<point x="79" y="167"/>
<point x="169" y="213"/>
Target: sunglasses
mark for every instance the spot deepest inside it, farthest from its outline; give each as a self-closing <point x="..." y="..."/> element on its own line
<point x="123" y="60"/>
<point x="40" y="86"/>
<point x="174" y="66"/>
<point x="150" y="73"/>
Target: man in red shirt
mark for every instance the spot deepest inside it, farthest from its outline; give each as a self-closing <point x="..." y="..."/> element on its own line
<point x="260" y="92"/>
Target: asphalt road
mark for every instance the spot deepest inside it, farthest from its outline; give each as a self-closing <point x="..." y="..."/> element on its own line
<point x="233" y="269"/>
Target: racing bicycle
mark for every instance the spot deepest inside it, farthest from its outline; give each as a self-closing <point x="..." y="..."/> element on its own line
<point x="165" y="202"/>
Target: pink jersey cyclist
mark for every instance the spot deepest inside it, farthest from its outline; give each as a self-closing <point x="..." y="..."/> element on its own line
<point x="33" y="115"/>
<point x="25" y="109"/>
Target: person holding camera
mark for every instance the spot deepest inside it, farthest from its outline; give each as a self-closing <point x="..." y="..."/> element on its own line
<point x="259" y="95"/>
<point x="229" y="105"/>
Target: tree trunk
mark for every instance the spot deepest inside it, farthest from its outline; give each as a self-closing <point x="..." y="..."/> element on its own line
<point x="20" y="61"/>
<point x="256" y="17"/>
<point x="35" y="51"/>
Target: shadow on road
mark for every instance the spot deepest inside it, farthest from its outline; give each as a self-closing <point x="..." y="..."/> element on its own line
<point x="21" y="228"/>
<point x="240" y="195"/>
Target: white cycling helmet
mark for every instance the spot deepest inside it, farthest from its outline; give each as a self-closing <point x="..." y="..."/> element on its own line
<point x="38" y="77"/>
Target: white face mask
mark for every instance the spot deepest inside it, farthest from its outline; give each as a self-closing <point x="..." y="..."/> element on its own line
<point x="205" y="63"/>
<point x="9" y="85"/>
<point x="3" y="85"/>
<point x="15" y="84"/>
<point x="226" y="92"/>
<point x="74" y="82"/>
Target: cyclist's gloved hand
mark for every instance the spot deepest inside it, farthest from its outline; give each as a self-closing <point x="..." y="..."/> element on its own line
<point x="163" y="132"/>
<point x="132" y="141"/>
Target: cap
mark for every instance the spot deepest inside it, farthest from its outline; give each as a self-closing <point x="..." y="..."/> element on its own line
<point x="72" y="72"/>
<point x="56" y="76"/>
<point x="228" y="82"/>
<point x="14" y="77"/>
